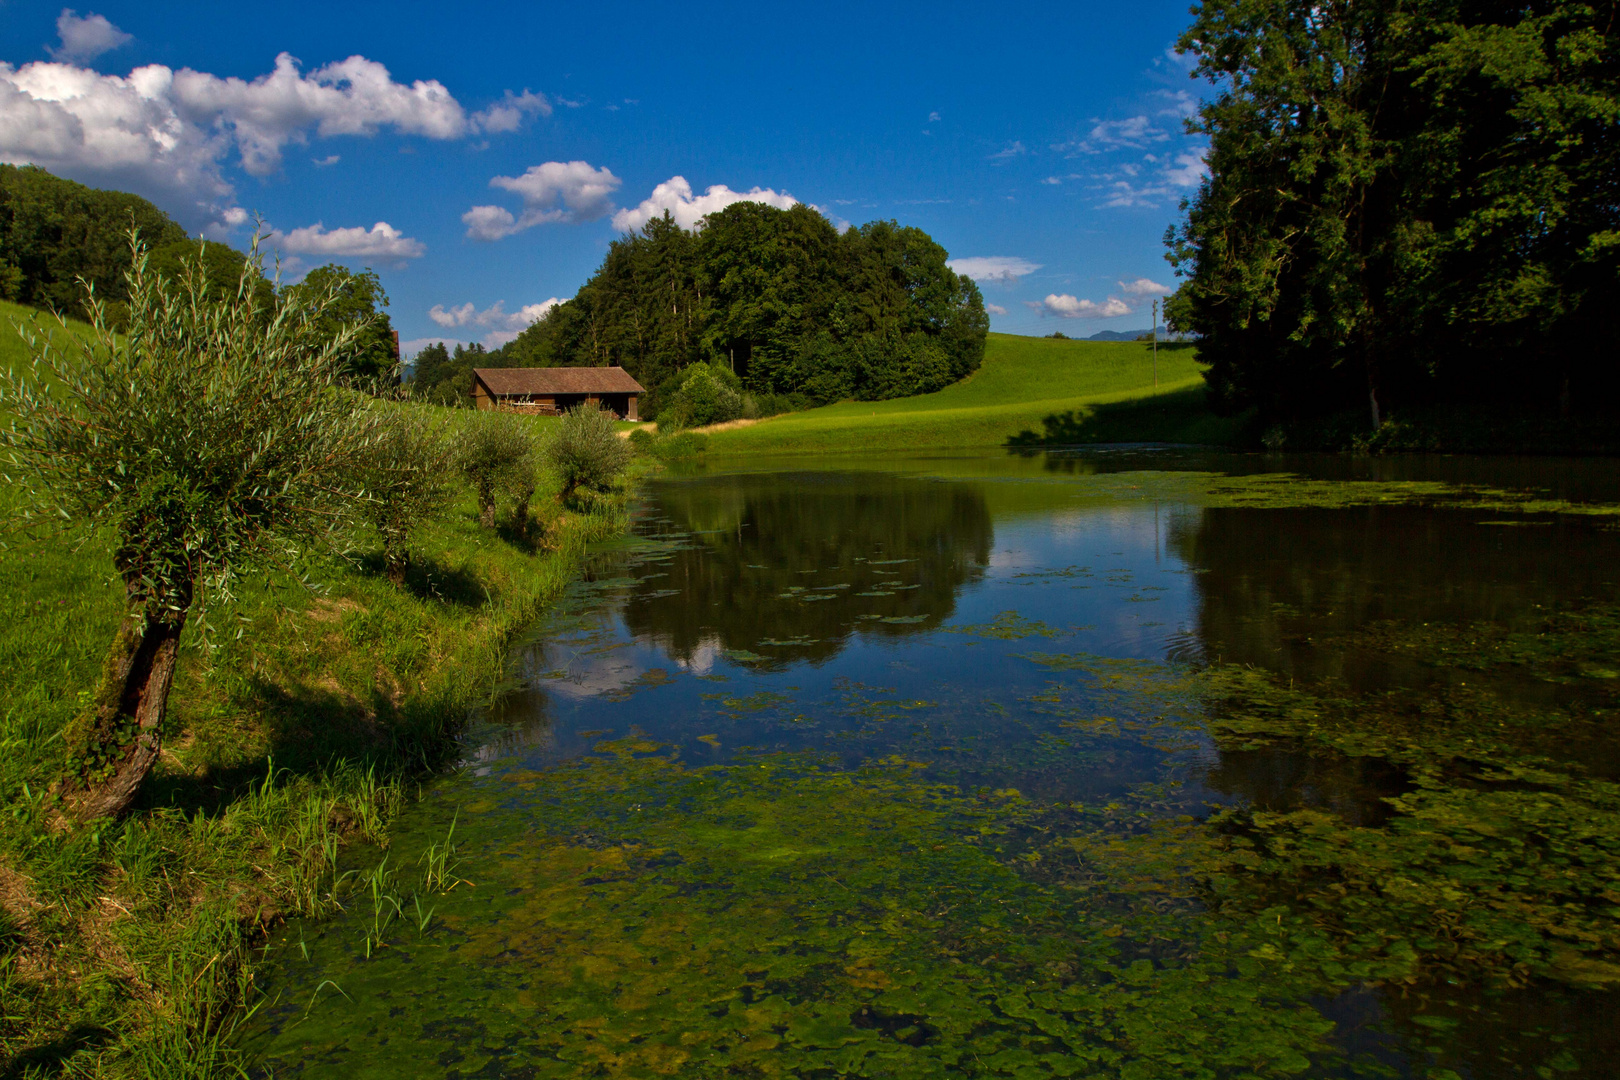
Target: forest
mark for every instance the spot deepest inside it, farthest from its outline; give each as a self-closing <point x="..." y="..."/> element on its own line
<point x="776" y="305"/>
<point x="54" y="232"/>
<point x="1410" y="207"/>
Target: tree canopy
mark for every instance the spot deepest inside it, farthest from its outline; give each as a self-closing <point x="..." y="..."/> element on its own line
<point x="779" y="297"/>
<point x="355" y="299"/>
<point x="54" y="231"/>
<point x="1407" y="204"/>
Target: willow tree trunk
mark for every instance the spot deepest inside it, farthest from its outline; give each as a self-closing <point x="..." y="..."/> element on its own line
<point x="116" y="740"/>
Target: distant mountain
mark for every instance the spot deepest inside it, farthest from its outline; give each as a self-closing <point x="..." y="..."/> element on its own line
<point x="1118" y="335"/>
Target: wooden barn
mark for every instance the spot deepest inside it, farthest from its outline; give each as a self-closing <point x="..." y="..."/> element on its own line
<point x="550" y="391"/>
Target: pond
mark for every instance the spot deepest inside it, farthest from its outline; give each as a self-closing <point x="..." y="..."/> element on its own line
<point x="1123" y="763"/>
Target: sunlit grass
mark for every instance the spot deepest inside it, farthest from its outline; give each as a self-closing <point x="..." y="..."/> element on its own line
<point x="1022" y="383"/>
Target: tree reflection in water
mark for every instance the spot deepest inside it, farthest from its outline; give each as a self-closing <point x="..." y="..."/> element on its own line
<point x="791" y="570"/>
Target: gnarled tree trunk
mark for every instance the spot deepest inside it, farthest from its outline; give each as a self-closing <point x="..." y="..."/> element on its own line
<point x="116" y="741"/>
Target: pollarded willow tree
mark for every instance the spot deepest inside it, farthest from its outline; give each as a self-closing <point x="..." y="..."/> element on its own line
<point x="209" y="440"/>
<point x="495" y="453"/>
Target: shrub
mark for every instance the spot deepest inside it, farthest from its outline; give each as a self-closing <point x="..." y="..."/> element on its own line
<point x="210" y="439"/>
<point x="404" y="473"/>
<point x="706" y="395"/>
<point x="495" y="452"/>
<point x="586" y="452"/>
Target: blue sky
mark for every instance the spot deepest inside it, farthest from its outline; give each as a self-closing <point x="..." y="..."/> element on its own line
<point x="481" y="157"/>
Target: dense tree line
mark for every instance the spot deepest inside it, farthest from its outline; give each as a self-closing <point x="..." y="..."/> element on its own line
<point x="54" y="232"/>
<point x="1408" y="204"/>
<point x="781" y="298"/>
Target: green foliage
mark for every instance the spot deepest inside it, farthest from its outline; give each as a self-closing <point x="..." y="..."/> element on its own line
<point x="404" y="473"/>
<point x="54" y="232"/>
<point x="1406" y="206"/>
<point x="208" y="437"/>
<point x="351" y="305"/>
<point x="495" y="453"/>
<point x="224" y="267"/>
<point x="701" y="395"/>
<point x="778" y="297"/>
<point x="586" y="453"/>
<point x="443" y="377"/>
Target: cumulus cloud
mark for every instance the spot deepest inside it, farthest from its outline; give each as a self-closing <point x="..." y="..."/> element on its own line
<point x="995" y="309"/>
<point x="1143" y="287"/>
<point x="675" y="195"/>
<point x="502" y="325"/>
<point x="1065" y="306"/>
<point x="167" y="133"/>
<point x="1010" y="151"/>
<point x="382" y="242"/>
<point x="933" y="118"/>
<point x="86" y="38"/>
<point x="571" y="191"/>
<point x="508" y="113"/>
<point x="1001" y="269"/>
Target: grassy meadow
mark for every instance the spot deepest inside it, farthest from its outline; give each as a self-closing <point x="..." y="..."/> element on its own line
<point x="126" y="950"/>
<point x="1028" y="391"/>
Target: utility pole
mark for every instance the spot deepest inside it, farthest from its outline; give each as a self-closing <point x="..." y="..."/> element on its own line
<point x="1155" y="343"/>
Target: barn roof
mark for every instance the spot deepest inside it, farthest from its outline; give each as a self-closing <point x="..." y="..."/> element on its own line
<point x="507" y="382"/>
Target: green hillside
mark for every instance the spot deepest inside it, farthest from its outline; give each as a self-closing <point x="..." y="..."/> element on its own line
<point x="1040" y="388"/>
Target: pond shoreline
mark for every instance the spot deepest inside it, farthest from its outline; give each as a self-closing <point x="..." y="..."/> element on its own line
<point x="134" y="947"/>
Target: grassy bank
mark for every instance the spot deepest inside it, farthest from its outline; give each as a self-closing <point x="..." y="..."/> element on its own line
<point x="127" y="949"/>
<point x="1029" y="391"/>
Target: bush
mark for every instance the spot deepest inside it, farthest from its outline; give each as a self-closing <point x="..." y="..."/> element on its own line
<point x="586" y="452"/>
<point x="495" y="452"/>
<point x="705" y="395"/>
<point x="403" y="473"/>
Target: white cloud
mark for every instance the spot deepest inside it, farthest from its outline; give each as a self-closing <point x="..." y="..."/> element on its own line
<point x="166" y="133"/>
<point x="1188" y="171"/>
<point x="502" y="325"/>
<point x="1065" y="306"/>
<point x="1143" y="287"/>
<point x="1002" y="269"/>
<point x="1136" y="132"/>
<point x="571" y="191"/>
<point x="995" y="309"/>
<point x="933" y="118"/>
<point x="1181" y="104"/>
<point x="381" y="241"/>
<point x="508" y="113"/>
<point x="330" y="159"/>
<point x="675" y="195"/>
<point x="1010" y="151"/>
<point x="84" y="39"/>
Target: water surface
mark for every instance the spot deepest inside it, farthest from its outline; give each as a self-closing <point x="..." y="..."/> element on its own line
<point x="1130" y="763"/>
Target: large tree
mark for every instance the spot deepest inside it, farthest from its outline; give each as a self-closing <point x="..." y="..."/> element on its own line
<point x="780" y="298"/>
<point x="1407" y="202"/>
<point x="354" y="305"/>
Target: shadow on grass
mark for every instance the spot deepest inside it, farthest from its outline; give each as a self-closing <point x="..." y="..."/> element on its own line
<point x="48" y="1059"/>
<point x="1179" y="417"/>
<point x="430" y="579"/>
<point x="311" y="728"/>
